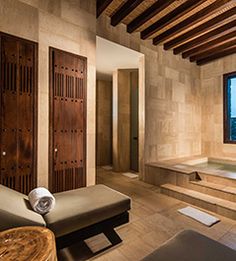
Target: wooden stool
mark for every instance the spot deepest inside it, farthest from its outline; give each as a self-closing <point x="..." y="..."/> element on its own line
<point x="28" y="243"/>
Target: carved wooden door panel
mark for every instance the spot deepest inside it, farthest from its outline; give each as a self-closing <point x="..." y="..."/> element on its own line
<point x="68" y="121"/>
<point x="18" y="113"/>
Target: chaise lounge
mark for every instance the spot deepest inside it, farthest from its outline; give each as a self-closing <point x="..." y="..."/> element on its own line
<point x="189" y="245"/>
<point x="78" y="214"/>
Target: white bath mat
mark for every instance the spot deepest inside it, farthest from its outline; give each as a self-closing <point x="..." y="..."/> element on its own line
<point x="108" y="167"/>
<point x="199" y="215"/>
<point x="130" y="175"/>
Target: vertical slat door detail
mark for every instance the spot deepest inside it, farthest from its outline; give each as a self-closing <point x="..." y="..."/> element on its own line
<point x="18" y="90"/>
<point x="68" y="119"/>
<point x="9" y="166"/>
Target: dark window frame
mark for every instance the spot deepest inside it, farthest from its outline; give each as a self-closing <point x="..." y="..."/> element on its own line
<point x="226" y="106"/>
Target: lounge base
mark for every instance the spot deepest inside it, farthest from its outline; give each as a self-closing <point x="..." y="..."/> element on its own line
<point x="106" y="227"/>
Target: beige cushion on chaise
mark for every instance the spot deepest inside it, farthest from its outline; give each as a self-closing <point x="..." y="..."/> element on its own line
<point x="75" y="209"/>
<point x="15" y="210"/>
<point x="79" y="208"/>
<point x="192" y="246"/>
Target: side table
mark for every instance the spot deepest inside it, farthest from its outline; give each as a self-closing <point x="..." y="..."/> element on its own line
<point x="27" y="243"/>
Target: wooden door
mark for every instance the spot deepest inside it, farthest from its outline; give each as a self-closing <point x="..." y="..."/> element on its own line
<point x="18" y="136"/>
<point x="67" y="121"/>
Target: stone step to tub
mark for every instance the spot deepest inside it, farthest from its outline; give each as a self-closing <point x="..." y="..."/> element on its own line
<point x="213" y="189"/>
<point x="214" y="204"/>
<point x="226" y="179"/>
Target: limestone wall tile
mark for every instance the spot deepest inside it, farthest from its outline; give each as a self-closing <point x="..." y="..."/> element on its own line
<point x="19" y="19"/>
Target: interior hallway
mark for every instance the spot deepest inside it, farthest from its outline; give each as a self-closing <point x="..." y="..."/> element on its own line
<point x="154" y="219"/>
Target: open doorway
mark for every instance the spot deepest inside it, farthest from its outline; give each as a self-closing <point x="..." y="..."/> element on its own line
<point x="119" y="117"/>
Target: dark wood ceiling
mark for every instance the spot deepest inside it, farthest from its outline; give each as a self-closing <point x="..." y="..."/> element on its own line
<point x="200" y="30"/>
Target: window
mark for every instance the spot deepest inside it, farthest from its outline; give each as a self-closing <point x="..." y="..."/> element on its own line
<point x="230" y="108"/>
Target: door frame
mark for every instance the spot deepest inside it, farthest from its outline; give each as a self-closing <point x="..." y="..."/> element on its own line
<point x="35" y="101"/>
<point x="51" y="113"/>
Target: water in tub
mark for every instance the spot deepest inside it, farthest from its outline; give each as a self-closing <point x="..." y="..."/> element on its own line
<point x="216" y="166"/>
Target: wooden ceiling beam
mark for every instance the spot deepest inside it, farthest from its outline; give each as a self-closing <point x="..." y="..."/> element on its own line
<point x="124" y="10"/>
<point x="102" y="6"/>
<point x="218" y="55"/>
<point x="190" y="21"/>
<point x="204" y="37"/>
<point x="212" y="51"/>
<point x="150" y="12"/>
<point x="199" y="29"/>
<point x="170" y="17"/>
<point x="209" y="45"/>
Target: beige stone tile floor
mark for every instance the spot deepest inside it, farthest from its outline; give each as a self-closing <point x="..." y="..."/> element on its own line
<point x="154" y="219"/>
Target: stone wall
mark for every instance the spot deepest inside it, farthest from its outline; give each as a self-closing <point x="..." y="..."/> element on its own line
<point x="172" y="97"/>
<point x="180" y="120"/>
<point x="212" y="107"/>
<point x="104" y="123"/>
<point x="64" y="24"/>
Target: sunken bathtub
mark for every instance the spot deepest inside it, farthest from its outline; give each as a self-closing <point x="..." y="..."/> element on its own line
<point x="208" y="183"/>
<point x="181" y="171"/>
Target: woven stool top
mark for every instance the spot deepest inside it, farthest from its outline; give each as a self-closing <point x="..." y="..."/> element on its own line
<point x="27" y="243"/>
